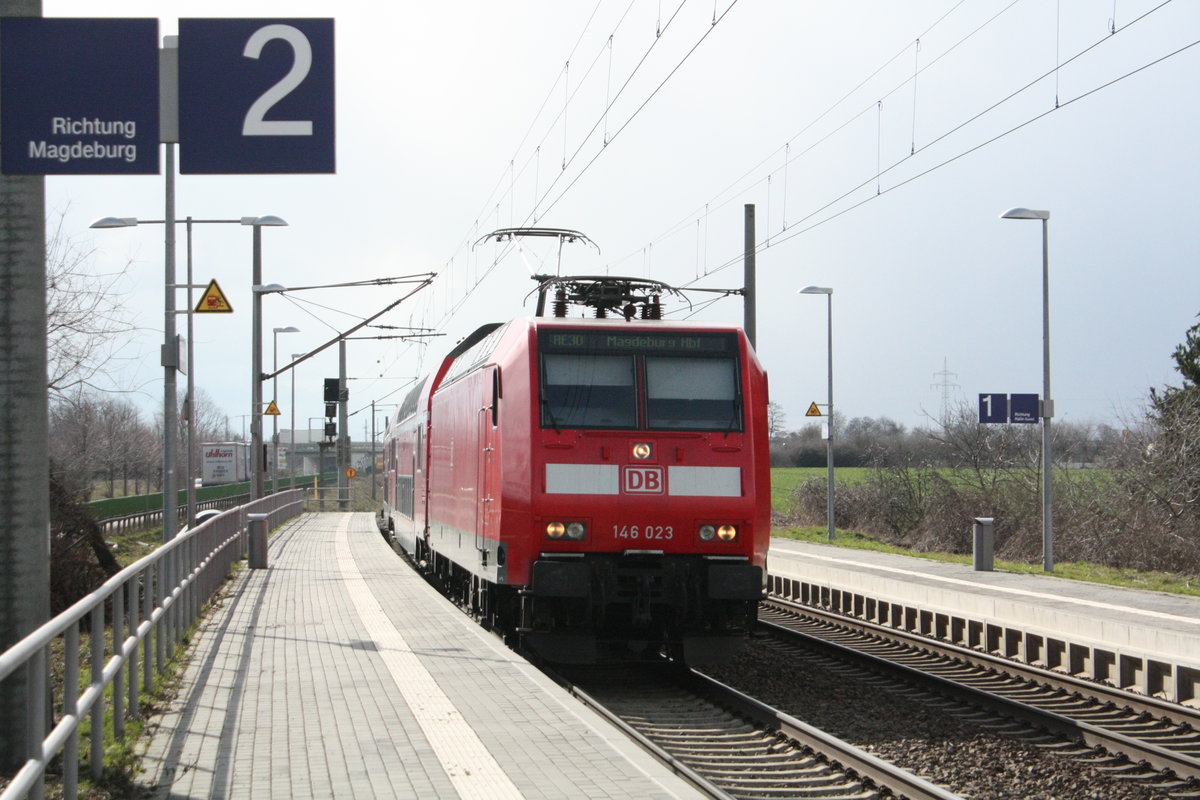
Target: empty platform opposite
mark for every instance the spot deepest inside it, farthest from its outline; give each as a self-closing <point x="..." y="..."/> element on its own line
<point x="1140" y="640"/>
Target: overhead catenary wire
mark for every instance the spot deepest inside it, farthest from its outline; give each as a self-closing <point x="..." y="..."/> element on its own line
<point x="452" y="306"/>
<point x="815" y="218"/>
<point x="880" y="173"/>
<point x="964" y="153"/>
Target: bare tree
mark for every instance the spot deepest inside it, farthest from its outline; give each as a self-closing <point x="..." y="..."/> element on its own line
<point x="775" y="420"/>
<point x="86" y="324"/>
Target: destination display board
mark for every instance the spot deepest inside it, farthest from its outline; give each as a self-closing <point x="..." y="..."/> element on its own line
<point x="80" y="96"/>
<point x="637" y="341"/>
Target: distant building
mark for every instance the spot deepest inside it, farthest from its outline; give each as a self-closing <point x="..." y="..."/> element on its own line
<point x="315" y="453"/>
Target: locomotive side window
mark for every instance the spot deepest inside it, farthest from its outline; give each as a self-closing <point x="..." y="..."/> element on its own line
<point x="588" y="391"/>
<point x="691" y="393"/>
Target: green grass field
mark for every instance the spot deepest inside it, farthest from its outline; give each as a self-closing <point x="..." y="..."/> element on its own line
<point x="784" y="480"/>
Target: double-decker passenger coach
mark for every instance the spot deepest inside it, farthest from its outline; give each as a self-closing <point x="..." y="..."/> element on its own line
<point x="599" y="488"/>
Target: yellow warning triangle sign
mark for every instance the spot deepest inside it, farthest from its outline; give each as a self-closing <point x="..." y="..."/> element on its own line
<point x="272" y="410"/>
<point x="213" y="301"/>
<point x="813" y="411"/>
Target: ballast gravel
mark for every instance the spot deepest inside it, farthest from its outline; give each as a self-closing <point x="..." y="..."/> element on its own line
<point x="908" y="728"/>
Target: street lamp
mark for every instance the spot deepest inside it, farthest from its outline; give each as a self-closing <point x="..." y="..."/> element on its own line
<point x="275" y="399"/>
<point x="292" y="446"/>
<point x="256" y="373"/>
<point x="170" y="359"/>
<point x="829" y="491"/>
<point x="1047" y="404"/>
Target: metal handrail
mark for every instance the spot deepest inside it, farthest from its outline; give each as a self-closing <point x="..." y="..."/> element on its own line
<point x="143" y="519"/>
<point x="162" y="594"/>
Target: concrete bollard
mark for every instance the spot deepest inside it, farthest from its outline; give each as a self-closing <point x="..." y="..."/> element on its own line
<point x="984" y="543"/>
<point x="258" y="540"/>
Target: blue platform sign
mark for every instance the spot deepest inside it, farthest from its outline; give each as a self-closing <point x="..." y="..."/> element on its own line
<point x="993" y="408"/>
<point x="1023" y="408"/>
<point x="80" y="96"/>
<point x="256" y="96"/>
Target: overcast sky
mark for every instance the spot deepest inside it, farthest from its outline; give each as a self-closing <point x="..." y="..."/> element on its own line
<point x="877" y="167"/>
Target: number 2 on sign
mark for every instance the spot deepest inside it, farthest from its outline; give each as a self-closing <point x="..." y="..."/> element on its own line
<point x="256" y="123"/>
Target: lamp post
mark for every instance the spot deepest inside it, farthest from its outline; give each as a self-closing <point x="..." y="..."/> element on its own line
<point x="256" y="373"/>
<point x="292" y="444"/>
<point x="829" y="490"/>
<point x="1047" y="403"/>
<point x="275" y="399"/>
<point x="170" y="359"/>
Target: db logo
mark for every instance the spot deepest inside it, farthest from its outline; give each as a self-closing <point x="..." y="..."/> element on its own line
<point x="643" y="480"/>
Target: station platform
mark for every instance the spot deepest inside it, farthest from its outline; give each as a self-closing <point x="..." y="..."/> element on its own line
<point x="338" y="672"/>
<point x="1141" y="640"/>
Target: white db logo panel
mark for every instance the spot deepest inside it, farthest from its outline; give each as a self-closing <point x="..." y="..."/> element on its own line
<point x="643" y="480"/>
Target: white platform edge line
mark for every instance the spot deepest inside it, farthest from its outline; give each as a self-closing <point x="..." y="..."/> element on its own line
<point x="473" y="770"/>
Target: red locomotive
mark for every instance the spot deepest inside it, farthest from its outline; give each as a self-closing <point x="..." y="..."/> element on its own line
<point x="598" y="487"/>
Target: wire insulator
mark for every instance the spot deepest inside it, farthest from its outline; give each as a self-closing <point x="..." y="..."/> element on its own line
<point x="560" y="304"/>
<point x="601" y="312"/>
<point x="652" y="309"/>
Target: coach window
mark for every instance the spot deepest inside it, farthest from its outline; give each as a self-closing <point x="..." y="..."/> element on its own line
<point x="692" y="393"/>
<point x="588" y="391"/>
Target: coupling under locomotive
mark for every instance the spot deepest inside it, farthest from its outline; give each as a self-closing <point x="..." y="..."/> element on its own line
<point x="598" y="488"/>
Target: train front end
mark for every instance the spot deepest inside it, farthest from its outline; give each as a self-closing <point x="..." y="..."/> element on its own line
<point x="650" y="504"/>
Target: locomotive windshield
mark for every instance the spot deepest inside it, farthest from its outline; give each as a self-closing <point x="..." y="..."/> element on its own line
<point x="587" y="391"/>
<point x="660" y="381"/>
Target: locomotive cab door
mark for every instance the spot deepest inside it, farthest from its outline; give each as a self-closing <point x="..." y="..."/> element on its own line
<point x="486" y="511"/>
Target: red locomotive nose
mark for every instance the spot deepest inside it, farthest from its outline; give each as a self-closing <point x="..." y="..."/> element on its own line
<point x="594" y="487"/>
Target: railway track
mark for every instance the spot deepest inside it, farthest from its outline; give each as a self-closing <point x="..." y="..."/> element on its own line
<point x="1160" y="735"/>
<point x="732" y="746"/>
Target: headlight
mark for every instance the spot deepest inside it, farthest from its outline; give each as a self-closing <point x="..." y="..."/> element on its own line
<point x="575" y="531"/>
<point x="642" y="450"/>
<point x="707" y="532"/>
<point x="727" y="533"/>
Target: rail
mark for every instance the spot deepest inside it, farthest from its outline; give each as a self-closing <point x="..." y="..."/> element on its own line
<point x="145" y="607"/>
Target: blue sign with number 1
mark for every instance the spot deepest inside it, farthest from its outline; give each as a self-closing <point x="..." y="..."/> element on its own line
<point x="256" y="96"/>
<point x="993" y="408"/>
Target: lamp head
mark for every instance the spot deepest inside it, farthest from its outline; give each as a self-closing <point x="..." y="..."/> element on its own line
<point x="1025" y="213"/>
<point x="268" y="288"/>
<point x="288" y="329"/>
<point x="268" y="220"/>
<point x="114" y="222"/>
<point x="816" y="290"/>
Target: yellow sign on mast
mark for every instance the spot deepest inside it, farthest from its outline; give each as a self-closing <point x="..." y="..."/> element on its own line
<point x="213" y="301"/>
